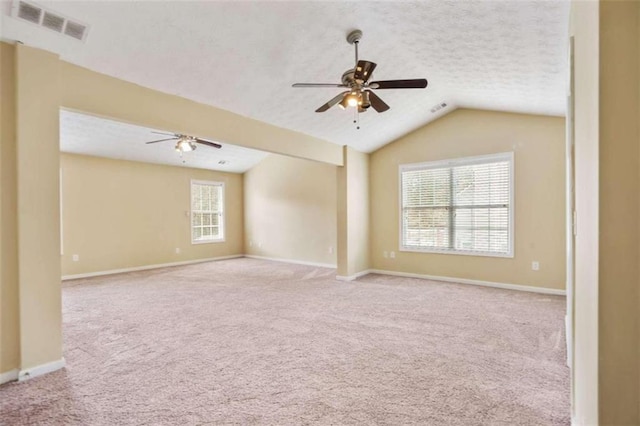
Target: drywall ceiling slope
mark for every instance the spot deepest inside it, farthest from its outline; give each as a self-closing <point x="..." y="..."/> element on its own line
<point x="244" y="56"/>
<point x="89" y="135"/>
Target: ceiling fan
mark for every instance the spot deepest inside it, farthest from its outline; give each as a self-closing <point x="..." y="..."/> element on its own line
<point x="185" y="143"/>
<point x="359" y="93"/>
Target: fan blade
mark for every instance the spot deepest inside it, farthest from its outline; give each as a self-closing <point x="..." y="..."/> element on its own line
<point x="332" y="102"/>
<point x="208" y="143"/>
<point x="318" y="85"/>
<point x="163" y="133"/>
<point x="377" y="103"/>
<point x="420" y="83"/>
<point x="162" y="140"/>
<point x="363" y="70"/>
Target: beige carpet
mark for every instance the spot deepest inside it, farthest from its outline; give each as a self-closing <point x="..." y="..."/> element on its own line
<point x="248" y="341"/>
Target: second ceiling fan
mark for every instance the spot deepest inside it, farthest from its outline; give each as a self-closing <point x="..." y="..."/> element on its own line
<point x="359" y="94"/>
<point x="185" y="143"/>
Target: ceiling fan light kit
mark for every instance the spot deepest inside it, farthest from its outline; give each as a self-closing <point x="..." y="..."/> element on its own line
<point x="359" y="94"/>
<point x="185" y="143"/>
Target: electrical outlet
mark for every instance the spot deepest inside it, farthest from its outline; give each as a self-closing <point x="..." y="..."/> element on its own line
<point x="250" y="243"/>
<point x="392" y="255"/>
<point x="177" y="250"/>
<point x="260" y="244"/>
<point x="75" y="258"/>
<point x="535" y="265"/>
<point x="330" y="250"/>
<point x="385" y="254"/>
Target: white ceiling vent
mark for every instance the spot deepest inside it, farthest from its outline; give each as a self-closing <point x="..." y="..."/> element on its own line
<point x="53" y="21"/>
<point x="438" y="107"/>
<point x="29" y="12"/>
<point x="75" y="30"/>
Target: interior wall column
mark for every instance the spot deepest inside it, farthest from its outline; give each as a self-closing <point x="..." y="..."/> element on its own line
<point x="353" y="214"/>
<point x="38" y="200"/>
<point x="9" y="310"/>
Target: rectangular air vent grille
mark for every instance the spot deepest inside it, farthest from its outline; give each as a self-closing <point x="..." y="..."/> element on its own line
<point x="75" y="30"/>
<point x="48" y="19"/>
<point x="53" y="22"/>
<point x="438" y="107"/>
<point x="29" y="12"/>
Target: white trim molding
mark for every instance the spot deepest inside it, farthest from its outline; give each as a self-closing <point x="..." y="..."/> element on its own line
<point x="297" y="262"/>
<point x="9" y="376"/>
<point x="146" y="267"/>
<point x="39" y="370"/>
<point x="354" y="276"/>
<point x="506" y="286"/>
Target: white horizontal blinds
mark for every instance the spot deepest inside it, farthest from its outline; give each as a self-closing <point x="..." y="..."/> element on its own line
<point x="426" y="200"/>
<point x="481" y="197"/>
<point x="206" y="211"/>
<point x="458" y="206"/>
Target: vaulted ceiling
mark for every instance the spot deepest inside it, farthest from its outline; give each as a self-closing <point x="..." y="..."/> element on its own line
<point x="244" y="56"/>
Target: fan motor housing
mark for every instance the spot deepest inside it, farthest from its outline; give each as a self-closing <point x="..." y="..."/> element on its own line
<point x="347" y="77"/>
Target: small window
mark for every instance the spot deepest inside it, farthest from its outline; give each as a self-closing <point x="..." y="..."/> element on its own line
<point x="461" y="206"/>
<point x="207" y="212"/>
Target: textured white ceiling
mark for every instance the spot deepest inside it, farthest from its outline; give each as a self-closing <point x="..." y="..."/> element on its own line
<point x="244" y="56"/>
<point x="89" y="135"/>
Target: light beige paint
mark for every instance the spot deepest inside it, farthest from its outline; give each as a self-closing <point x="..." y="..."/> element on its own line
<point x="290" y="209"/>
<point x="353" y="214"/>
<point x="38" y="168"/>
<point x="619" y="274"/>
<point x="43" y="85"/>
<point x="122" y="214"/>
<point x="538" y="144"/>
<point x="607" y="108"/>
<point x="91" y="92"/>
<point x="584" y="28"/>
<point x="9" y="312"/>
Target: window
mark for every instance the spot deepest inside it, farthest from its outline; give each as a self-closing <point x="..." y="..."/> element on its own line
<point x="207" y="212"/>
<point x="462" y="206"/>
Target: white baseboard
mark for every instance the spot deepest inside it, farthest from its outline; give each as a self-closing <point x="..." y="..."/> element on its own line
<point x="9" y="376"/>
<point x="518" y="287"/>
<point x="146" y="267"/>
<point x="297" y="262"/>
<point x="354" y="276"/>
<point x="39" y="370"/>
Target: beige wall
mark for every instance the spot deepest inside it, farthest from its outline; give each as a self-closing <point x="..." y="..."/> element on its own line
<point x="619" y="274"/>
<point x="9" y="330"/>
<point x="121" y="214"/>
<point x="353" y="214"/>
<point x="584" y="28"/>
<point x="607" y="156"/>
<point x="43" y="85"/>
<point x="38" y="169"/>
<point x="290" y="209"/>
<point x="91" y="92"/>
<point x="538" y="143"/>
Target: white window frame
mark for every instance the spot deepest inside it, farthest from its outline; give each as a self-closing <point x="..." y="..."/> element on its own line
<point x="223" y="221"/>
<point x="455" y="162"/>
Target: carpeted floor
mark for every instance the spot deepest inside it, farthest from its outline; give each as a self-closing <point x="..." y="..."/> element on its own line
<point x="247" y="341"/>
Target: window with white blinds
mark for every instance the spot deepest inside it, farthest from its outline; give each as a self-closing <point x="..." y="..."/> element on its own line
<point x="462" y="206"/>
<point x="207" y="211"/>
